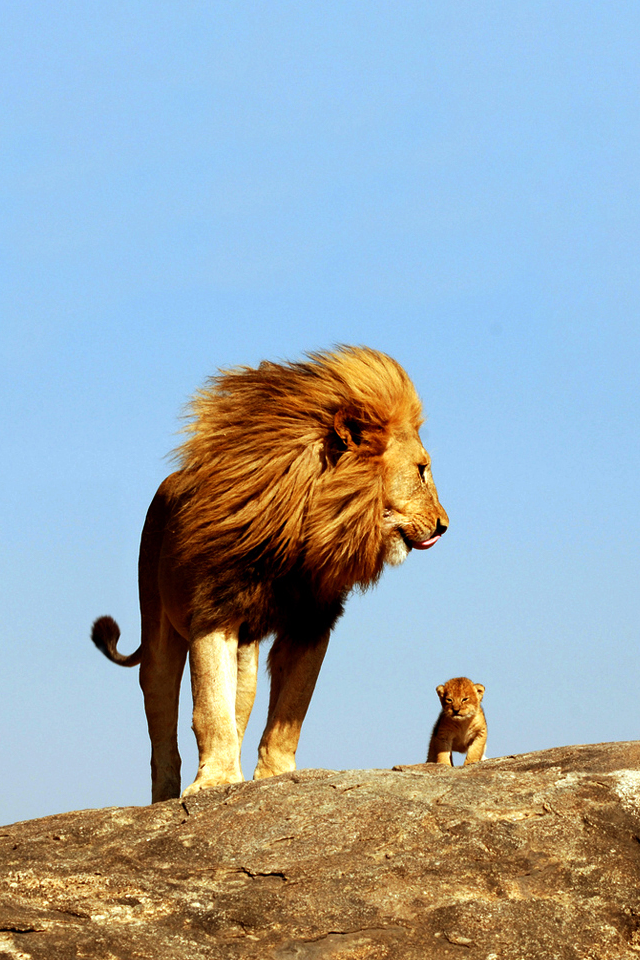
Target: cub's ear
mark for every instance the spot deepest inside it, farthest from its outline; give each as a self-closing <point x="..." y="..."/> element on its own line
<point x="348" y="429"/>
<point x="479" y="690"/>
<point x="440" y="690"/>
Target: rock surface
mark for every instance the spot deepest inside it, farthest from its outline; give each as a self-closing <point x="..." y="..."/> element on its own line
<point x="533" y="856"/>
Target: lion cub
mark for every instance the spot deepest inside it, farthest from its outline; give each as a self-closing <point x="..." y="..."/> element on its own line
<point x="461" y="725"/>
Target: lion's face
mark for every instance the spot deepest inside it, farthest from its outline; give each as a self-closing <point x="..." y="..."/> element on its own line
<point x="413" y="517"/>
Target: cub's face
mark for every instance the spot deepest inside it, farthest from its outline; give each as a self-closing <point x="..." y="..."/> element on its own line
<point x="460" y="698"/>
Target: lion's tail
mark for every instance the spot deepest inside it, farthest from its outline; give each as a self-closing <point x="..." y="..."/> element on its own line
<point x="105" y="633"/>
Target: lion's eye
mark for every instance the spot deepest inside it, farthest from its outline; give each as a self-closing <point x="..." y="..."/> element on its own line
<point x="421" y="469"/>
<point x="464" y="699"/>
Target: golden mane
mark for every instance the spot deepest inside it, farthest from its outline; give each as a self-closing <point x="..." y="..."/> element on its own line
<point x="265" y="475"/>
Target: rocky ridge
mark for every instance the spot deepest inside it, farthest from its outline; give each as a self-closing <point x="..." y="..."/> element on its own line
<point x="522" y="858"/>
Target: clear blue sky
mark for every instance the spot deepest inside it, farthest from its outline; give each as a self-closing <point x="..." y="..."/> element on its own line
<point x="199" y="184"/>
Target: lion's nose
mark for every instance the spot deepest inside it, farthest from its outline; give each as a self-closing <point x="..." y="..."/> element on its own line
<point x="440" y="528"/>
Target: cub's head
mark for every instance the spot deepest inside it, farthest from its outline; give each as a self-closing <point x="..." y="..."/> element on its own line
<point x="460" y="698"/>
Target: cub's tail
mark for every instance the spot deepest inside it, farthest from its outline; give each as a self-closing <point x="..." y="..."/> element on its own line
<point x="105" y="633"/>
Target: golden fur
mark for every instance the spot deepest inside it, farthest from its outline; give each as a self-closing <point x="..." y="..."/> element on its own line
<point x="271" y="473"/>
<point x="461" y="725"/>
<point x="297" y="482"/>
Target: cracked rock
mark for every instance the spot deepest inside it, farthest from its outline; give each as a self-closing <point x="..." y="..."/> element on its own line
<point x="528" y="857"/>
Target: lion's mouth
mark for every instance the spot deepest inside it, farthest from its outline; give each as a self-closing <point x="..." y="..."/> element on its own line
<point x="420" y="544"/>
<point x="425" y="544"/>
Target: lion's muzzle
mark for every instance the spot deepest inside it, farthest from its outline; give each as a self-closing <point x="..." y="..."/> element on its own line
<point x="441" y="528"/>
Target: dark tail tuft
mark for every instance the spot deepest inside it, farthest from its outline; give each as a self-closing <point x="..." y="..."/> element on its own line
<point x="105" y="633"/>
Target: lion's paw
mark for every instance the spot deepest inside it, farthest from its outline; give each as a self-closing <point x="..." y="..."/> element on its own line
<point x="204" y="783"/>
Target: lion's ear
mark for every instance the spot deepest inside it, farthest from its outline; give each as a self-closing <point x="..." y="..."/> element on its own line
<point x="355" y="433"/>
<point x="480" y="690"/>
<point x="348" y="429"/>
<point x="440" y="690"/>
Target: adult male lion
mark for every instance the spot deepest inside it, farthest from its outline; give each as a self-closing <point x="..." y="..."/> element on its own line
<point x="298" y="482"/>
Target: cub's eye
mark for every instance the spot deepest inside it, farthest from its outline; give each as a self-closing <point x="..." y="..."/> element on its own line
<point x="421" y="469"/>
<point x="449" y="700"/>
<point x="464" y="699"/>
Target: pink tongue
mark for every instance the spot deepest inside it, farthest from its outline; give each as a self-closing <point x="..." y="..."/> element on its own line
<point x="426" y="543"/>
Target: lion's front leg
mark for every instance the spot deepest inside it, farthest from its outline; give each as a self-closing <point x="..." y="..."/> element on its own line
<point x="213" y="658"/>
<point x="294" y="669"/>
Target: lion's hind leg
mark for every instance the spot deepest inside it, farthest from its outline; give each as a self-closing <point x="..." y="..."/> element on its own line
<point x="213" y="658"/>
<point x="248" y="654"/>
<point x="163" y="659"/>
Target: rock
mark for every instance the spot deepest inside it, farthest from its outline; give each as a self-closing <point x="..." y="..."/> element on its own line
<point x="533" y="856"/>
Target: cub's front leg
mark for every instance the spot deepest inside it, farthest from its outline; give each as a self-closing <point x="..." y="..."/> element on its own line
<point x="213" y="659"/>
<point x="476" y="750"/>
<point x="440" y="750"/>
